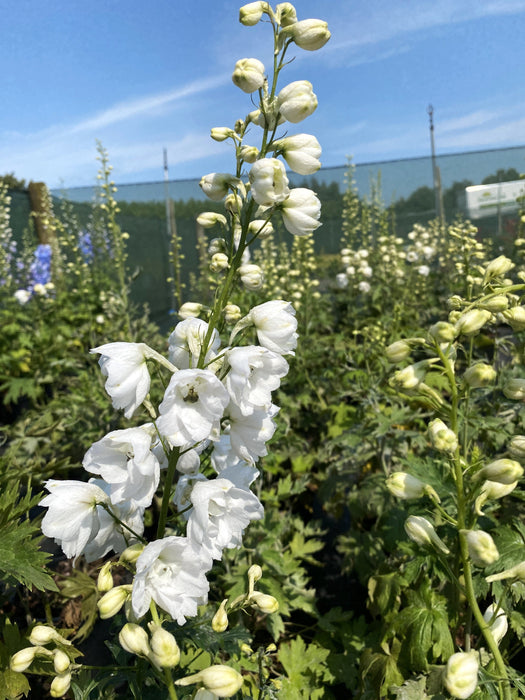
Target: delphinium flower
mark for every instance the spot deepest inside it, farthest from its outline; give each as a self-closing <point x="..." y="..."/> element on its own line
<point x="85" y="246"/>
<point x="195" y="456"/>
<point x="40" y="269"/>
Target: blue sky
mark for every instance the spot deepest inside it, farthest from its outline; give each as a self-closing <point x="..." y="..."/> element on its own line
<point x="143" y="76"/>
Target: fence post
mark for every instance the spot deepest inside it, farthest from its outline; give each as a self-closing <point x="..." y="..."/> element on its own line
<point x="41" y="211"/>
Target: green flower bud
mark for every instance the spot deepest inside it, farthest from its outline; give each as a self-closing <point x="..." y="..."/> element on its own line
<point x="285" y="14"/>
<point x="112" y="601"/>
<point x="105" y="579"/>
<point x="232" y="313"/>
<point x="23" y="659"/>
<point x="517" y="572"/>
<point x="516" y="447"/>
<point x="422" y="532"/>
<point x="221" y="133"/>
<point x="254" y="574"/>
<point x="472" y="321"/>
<point x="42" y="634"/>
<point x="497" y="621"/>
<point x="60" y="684"/>
<point x="495" y="304"/>
<point x="249" y="154"/>
<point x="219" y="262"/>
<point x="265" y="603"/>
<point x="455" y="302"/>
<point x="251" y="13"/>
<point x="461" y="676"/>
<point x="308" y="34"/>
<point x="61" y="661"/>
<point x="492" y="490"/>
<point x="219" y="622"/>
<point x="480" y="375"/>
<point x="481" y="548"/>
<point x="249" y="74"/>
<point x="442" y="438"/>
<point x="504" y="471"/>
<point x="134" y="639"/>
<point x="410" y="377"/>
<point x="497" y="267"/>
<point x="221" y="680"/>
<point x="515" y="389"/>
<point x="397" y="351"/>
<point x="409" y="487"/>
<point x="208" y="219"/>
<point x="165" y="652"/>
<point x="515" y="317"/>
<point x="443" y="332"/>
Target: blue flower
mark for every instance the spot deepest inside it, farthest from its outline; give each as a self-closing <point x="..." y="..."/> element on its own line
<point x="85" y="245"/>
<point x="40" y="268"/>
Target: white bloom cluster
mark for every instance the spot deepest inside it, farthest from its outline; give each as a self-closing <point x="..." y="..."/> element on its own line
<point x="225" y="409"/>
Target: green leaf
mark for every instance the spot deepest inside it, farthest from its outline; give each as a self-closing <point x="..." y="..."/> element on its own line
<point x="13" y="685"/>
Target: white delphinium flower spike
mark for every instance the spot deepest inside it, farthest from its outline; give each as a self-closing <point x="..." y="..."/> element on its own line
<point x="301" y="211"/>
<point x="254" y="372"/>
<point x="172" y="572"/>
<point x="123" y="458"/>
<point x="192" y="407"/>
<point x="269" y="183"/>
<point x="250" y="433"/>
<point x="222" y="509"/>
<point x="275" y="324"/>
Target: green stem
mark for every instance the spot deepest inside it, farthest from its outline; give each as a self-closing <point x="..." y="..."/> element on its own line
<point x="166" y="496"/>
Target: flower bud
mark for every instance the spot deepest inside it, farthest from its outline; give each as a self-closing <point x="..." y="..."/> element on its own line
<point x="60" y="685"/>
<point x="461" y="676"/>
<point x="232" y="313"/>
<point x="308" y="34"/>
<point x="503" y="471"/>
<point x="492" y="490"/>
<point x="515" y="389"/>
<point x="443" y="332"/>
<point x="516" y="447"/>
<point x="495" y="304"/>
<point x="301" y="152"/>
<point x="472" y="321"/>
<point x="208" y="219"/>
<point x="297" y="101"/>
<point x="190" y="309"/>
<point x="497" y="267"/>
<point x="422" y="532"/>
<point x="261" y="228"/>
<point x="42" y="634"/>
<point x="221" y="680"/>
<point x="105" y="578"/>
<point x="219" y="622"/>
<point x="254" y="574"/>
<point x="61" y="661"/>
<point x="165" y="652"/>
<point x="480" y="375"/>
<point x="249" y="74"/>
<point x="251" y="13"/>
<point x="221" y="133"/>
<point x="112" y="601"/>
<point x="249" y="154"/>
<point x="442" y="438"/>
<point x="132" y="553"/>
<point x="217" y="185"/>
<point x="134" y="639"/>
<point x="408" y="487"/>
<point x="455" y="302"/>
<point x="266" y="603"/>
<point x="233" y="203"/>
<point x="285" y="14"/>
<point x="269" y="183"/>
<point x="251" y="276"/>
<point x="517" y="572"/>
<point x="515" y="317"/>
<point x="219" y="262"/>
<point x="397" y="351"/>
<point x="481" y="548"/>
<point x="23" y="659"/>
<point x="497" y="622"/>
<point x="410" y="377"/>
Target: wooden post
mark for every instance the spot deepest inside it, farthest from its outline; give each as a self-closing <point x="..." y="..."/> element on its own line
<point x="41" y="211"/>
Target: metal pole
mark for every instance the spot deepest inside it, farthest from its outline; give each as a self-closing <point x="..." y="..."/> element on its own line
<point x="436" y="175"/>
<point x="167" y="193"/>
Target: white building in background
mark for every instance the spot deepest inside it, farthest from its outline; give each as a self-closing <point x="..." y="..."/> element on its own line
<point x="491" y="200"/>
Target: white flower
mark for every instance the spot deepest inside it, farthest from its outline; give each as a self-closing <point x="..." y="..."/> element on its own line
<point x="297" y="101"/>
<point x="222" y="509"/>
<point x="301" y="152"/>
<point x="171" y="572"/>
<point x="251" y="13"/>
<point x="423" y="270"/>
<point x="22" y="296"/>
<point x="128" y="380"/>
<point x="80" y="526"/>
<point x="412" y="256"/>
<point x="276" y="326"/>
<point x="254" y="373"/>
<point x="222" y="455"/>
<point x="461" y="677"/>
<point x="217" y="185"/>
<point x="209" y="219"/>
<point x="250" y="433"/>
<point x="301" y="211"/>
<point x="185" y="343"/>
<point x="261" y="228"/>
<point x="269" y="184"/>
<point x="249" y="74"/>
<point x="190" y="309"/>
<point x="364" y="287"/>
<point x="182" y="496"/>
<point x="123" y="458"/>
<point x="309" y="34"/>
<point x="252" y="277"/>
<point x="341" y="280"/>
<point x="366" y="271"/>
<point x="192" y="407"/>
<point x="497" y="621"/>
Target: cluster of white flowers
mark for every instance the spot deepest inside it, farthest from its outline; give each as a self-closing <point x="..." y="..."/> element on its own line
<point x="195" y="458"/>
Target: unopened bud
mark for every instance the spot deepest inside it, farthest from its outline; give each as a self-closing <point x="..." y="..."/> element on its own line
<point x="308" y="34"/>
<point x="504" y="471"/>
<point x="515" y="389"/>
<point x="397" y="351"/>
<point x="480" y="375"/>
<point x="251" y="13"/>
<point x="497" y="622"/>
<point x="112" y="601"/>
<point x="254" y="574"/>
<point x="208" y="219"/>
<point x="515" y="317"/>
<point x="455" y="302"/>
<point x="285" y="14"/>
<point x="61" y="661"/>
<point x="105" y="579"/>
<point x="492" y="490"/>
<point x="221" y="133"/>
<point x="221" y="680"/>
<point x="132" y="553"/>
<point x="261" y="228"/>
<point x="190" y="309"/>
<point x="472" y="321"/>
<point x="249" y="154"/>
<point x="516" y="447"/>
<point x="495" y="304"/>
<point x="517" y="572"/>
<point x="232" y="313"/>
<point x="410" y="377"/>
<point x="266" y="603"/>
<point x="497" y="267"/>
<point x="252" y="276"/>
<point x="422" y="532"/>
<point x="442" y="438"/>
<point x="409" y="487"/>
<point x="134" y="639"/>
<point x="60" y="685"/>
<point x="219" y="262"/>
<point x="461" y="676"/>
<point x="443" y="332"/>
<point x="481" y="548"/>
<point x="42" y="634"/>
<point x="249" y="74"/>
<point x="23" y="659"/>
<point x="219" y="622"/>
<point x="217" y="185"/>
<point x="165" y="652"/>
